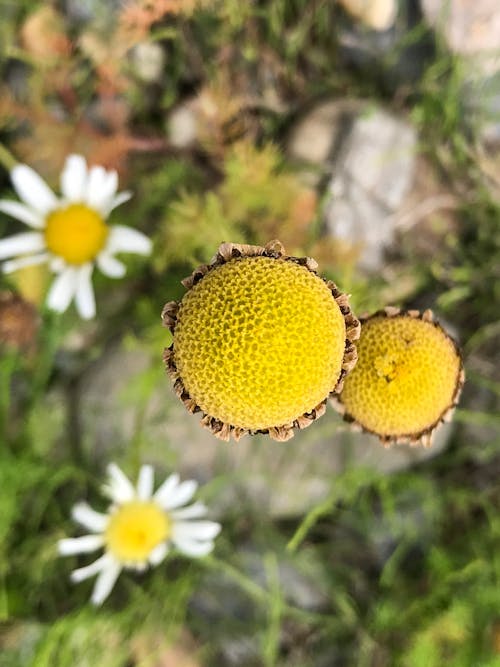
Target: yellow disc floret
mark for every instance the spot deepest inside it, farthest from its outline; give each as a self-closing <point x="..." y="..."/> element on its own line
<point x="405" y="379"/>
<point x="259" y="342"/>
<point x="135" y="529"/>
<point x="76" y="233"/>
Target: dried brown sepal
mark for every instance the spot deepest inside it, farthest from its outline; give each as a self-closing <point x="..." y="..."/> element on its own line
<point x="196" y="276"/>
<point x="353" y="330"/>
<point x="307" y="419"/>
<point x="390" y="311"/>
<point x="274" y="249"/>
<point x="169" y="313"/>
<point x="425" y="437"/>
<point x="282" y="433"/>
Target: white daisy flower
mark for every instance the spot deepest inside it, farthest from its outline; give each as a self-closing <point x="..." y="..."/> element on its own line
<point x="69" y="232"/>
<point x="139" y="527"/>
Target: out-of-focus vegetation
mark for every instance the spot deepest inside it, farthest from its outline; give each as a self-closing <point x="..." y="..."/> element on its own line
<point x="192" y="102"/>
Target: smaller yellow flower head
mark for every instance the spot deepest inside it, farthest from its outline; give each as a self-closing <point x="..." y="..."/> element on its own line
<point x="77" y="233"/>
<point x="407" y="377"/>
<point x="135" y="529"/>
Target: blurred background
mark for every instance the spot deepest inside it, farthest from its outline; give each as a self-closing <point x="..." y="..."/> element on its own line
<point x="364" y="133"/>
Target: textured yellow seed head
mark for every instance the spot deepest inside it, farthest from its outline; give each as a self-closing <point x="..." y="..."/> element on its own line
<point x="405" y="379"/>
<point x="259" y="341"/>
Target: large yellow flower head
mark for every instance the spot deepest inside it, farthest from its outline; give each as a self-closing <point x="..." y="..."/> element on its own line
<point x="259" y="342"/>
<point x="407" y="380"/>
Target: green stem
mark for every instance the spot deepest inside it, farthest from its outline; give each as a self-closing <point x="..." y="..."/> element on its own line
<point x="49" y="341"/>
<point x="275" y="610"/>
<point x="73" y="424"/>
<point x="262" y="596"/>
<point x="136" y="441"/>
<point x="8" y="367"/>
<point x="345" y="488"/>
<point x="4" y="603"/>
<point x="7" y="159"/>
<point x="51" y="336"/>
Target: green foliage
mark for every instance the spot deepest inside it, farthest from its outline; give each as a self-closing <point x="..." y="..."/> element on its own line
<point x="253" y="203"/>
<point x="82" y="639"/>
<point x="466" y="266"/>
<point x="402" y="569"/>
<point x="30" y="487"/>
<point x="471" y="271"/>
<point x="194" y="226"/>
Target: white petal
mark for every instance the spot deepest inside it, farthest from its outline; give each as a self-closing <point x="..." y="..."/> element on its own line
<point x="32" y="189"/>
<point x="164" y="492"/>
<point x="145" y="482"/>
<point x="194" y="548"/>
<point x="15" y="264"/>
<point x="21" y="244"/>
<point x="63" y="290"/>
<point x="181" y="495"/>
<point x="137" y="566"/>
<point x="89" y="518"/>
<point x="120" y="199"/>
<point x="84" y="294"/>
<point x="158" y="554"/>
<point x="22" y="212"/>
<point x="194" y="511"/>
<point x="120" y="487"/>
<point x="57" y="264"/>
<point x="195" y="530"/>
<point x="101" y="189"/>
<point x="97" y="175"/>
<point x="125" y="239"/>
<point x="74" y="178"/>
<point x="79" y="545"/>
<point x="105" y="582"/>
<point x="110" y="266"/>
<point x="89" y="570"/>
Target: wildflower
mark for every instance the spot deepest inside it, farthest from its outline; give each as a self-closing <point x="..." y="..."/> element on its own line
<point x="70" y="232"/>
<point x="407" y="380"/>
<point x="259" y="342"/>
<point x="139" y="527"/>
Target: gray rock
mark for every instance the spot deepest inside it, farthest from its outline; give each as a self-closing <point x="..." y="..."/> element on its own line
<point x="229" y="621"/>
<point x="299" y="589"/>
<point x="181" y="126"/>
<point x="367" y="156"/>
<point x="387" y="55"/>
<point x="80" y="11"/>
<point x="313" y="139"/>
<point x="373" y="172"/>
<point x="239" y="651"/>
<point x="481" y="98"/>
<point x="470" y="27"/>
<point x="126" y="398"/>
<point x="376" y="15"/>
<point x="148" y="61"/>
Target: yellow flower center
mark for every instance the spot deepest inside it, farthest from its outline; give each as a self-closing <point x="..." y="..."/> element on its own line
<point x="76" y="233"/>
<point x="392" y="366"/>
<point x="135" y="529"/>
<point x="405" y="378"/>
<point x="259" y="342"/>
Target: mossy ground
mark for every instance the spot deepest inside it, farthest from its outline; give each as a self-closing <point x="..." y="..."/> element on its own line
<point x="408" y="565"/>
